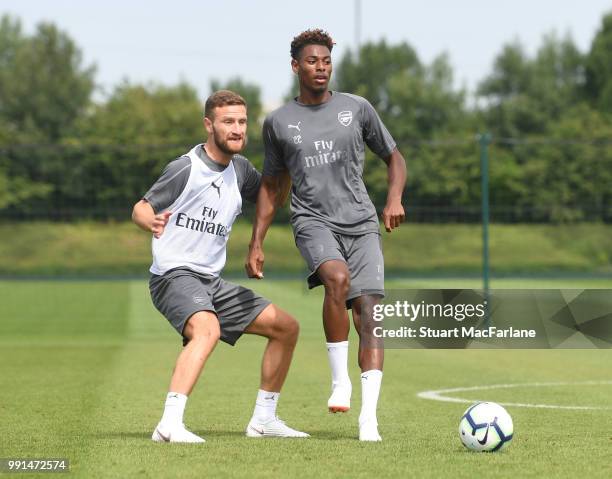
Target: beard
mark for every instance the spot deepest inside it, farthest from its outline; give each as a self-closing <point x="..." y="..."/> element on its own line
<point x="225" y="146"/>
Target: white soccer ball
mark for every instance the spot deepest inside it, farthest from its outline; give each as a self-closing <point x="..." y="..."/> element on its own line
<point x="486" y="426"/>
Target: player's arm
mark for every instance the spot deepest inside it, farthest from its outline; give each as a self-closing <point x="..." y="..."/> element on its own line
<point x="144" y="216"/>
<point x="393" y="213"/>
<point x="378" y="138"/>
<point x="161" y="196"/>
<point x="272" y="194"/>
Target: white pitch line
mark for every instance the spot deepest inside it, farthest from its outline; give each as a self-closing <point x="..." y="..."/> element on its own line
<point x="440" y="394"/>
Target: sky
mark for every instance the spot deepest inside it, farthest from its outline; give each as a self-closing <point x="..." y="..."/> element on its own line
<point x="197" y="41"/>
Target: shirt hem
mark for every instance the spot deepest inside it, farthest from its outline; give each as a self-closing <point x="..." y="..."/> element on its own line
<point x="336" y="229"/>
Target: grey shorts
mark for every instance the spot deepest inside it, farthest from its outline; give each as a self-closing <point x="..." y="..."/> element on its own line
<point x="362" y="254"/>
<point x="181" y="292"/>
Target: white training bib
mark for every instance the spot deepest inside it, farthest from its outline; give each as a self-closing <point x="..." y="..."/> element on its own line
<point x="202" y="216"/>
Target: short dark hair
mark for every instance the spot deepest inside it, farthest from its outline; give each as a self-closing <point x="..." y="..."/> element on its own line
<point x="315" y="36"/>
<point x="221" y="98"/>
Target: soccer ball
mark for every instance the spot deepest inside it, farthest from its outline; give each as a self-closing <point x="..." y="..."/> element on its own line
<point x="485" y="426"/>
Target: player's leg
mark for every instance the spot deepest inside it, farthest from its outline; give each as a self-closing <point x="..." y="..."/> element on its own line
<point x="174" y="295"/>
<point x="241" y="311"/>
<point x="365" y="260"/>
<point x="370" y="358"/>
<point x="325" y="259"/>
<point x="371" y="352"/>
<point x="335" y="277"/>
<point x="282" y="331"/>
<point x="202" y="332"/>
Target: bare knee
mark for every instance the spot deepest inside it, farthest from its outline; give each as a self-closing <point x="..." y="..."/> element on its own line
<point x="209" y="335"/>
<point x="286" y="328"/>
<point x="291" y="328"/>
<point x="274" y="323"/>
<point x="203" y="330"/>
<point x="337" y="283"/>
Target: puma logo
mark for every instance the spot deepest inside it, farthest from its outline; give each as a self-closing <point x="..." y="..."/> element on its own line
<point x="218" y="188"/>
<point x="297" y="127"/>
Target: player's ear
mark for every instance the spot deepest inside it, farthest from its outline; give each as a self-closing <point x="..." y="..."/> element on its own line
<point x="294" y="65"/>
<point x="208" y="125"/>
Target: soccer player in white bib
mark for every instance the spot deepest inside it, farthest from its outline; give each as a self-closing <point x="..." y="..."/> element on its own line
<point x="318" y="139"/>
<point x="190" y="211"/>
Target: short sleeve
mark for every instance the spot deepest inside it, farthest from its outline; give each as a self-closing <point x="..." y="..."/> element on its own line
<point x="375" y="134"/>
<point x="249" y="179"/>
<point x="170" y="184"/>
<point x="273" y="154"/>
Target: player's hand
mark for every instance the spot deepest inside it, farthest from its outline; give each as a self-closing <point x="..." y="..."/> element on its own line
<point x="159" y="223"/>
<point x="393" y="214"/>
<point x="254" y="262"/>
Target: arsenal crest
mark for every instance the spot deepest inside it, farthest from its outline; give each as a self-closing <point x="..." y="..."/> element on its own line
<point x="345" y="117"/>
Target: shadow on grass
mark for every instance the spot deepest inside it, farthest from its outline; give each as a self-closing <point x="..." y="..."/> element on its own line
<point x="206" y="434"/>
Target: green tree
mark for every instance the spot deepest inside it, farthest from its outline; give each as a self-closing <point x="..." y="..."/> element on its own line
<point x="123" y="146"/>
<point x="44" y="88"/>
<point x="575" y="176"/>
<point x="417" y="103"/>
<point x="146" y="115"/>
<point x="558" y="169"/>
<point x="15" y="190"/>
<point x="44" y="91"/>
<point x="599" y="67"/>
<point x="526" y="95"/>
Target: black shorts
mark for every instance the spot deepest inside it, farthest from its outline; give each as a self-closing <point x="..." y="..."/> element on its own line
<point x="181" y="292"/>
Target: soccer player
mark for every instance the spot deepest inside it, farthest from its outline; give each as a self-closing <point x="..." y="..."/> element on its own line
<point x="190" y="211"/>
<point x="318" y="140"/>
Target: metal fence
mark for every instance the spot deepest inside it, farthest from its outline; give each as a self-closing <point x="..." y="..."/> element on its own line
<point x="530" y="180"/>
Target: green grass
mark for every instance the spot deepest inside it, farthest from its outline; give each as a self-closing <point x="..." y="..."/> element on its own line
<point x="85" y="367"/>
<point x="116" y="249"/>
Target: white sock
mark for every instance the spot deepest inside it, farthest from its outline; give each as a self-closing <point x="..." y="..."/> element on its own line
<point x="265" y="405"/>
<point x="174" y="410"/>
<point x="370" y="389"/>
<point x="338" y="362"/>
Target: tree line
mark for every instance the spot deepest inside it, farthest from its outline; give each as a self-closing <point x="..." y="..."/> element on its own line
<point x="64" y="155"/>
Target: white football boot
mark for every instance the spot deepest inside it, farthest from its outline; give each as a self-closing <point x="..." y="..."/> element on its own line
<point x="340" y="399"/>
<point x="274" y="427"/>
<point x="368" y="431"/>
<point x="175" y="434"/>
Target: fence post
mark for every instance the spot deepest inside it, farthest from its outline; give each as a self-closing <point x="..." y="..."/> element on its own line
<point x="485" y="141"/>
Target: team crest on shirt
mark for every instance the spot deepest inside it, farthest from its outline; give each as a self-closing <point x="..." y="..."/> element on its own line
<point x="345" y="117"/>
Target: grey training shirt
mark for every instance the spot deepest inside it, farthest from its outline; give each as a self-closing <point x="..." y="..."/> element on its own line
<point x="323" y="148"/>
<point x="172" y="181"/>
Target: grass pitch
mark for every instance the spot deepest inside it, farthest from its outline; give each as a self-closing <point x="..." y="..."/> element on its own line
<point x="85" y="366"/>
